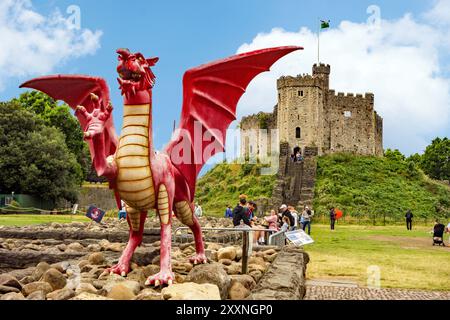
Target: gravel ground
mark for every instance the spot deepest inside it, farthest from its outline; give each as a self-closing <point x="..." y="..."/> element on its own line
<point x="347" y="293"/>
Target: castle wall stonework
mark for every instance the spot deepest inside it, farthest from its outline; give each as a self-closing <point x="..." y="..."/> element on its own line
<point x="309" y="114"/>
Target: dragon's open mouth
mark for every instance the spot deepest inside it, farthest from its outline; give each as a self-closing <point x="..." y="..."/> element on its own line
<point x="126" y="74"/>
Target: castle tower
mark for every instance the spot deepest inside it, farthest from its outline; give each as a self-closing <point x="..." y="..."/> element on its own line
<point x="322" y="71"/>
<point x="300" y="108"/>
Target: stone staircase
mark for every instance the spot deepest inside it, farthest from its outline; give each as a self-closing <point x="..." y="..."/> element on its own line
<point x="295" y="180"/>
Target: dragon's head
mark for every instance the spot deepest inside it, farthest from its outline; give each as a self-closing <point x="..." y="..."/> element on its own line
<point x="134" y="71"/>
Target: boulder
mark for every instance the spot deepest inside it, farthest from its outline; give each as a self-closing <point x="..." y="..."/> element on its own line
<point x="58" y="266"/>
<point x="61" y="294"/>
<point x="138" y="276"/>
<point x="39" y="271"/>
<point x="121" y="292"/>
<point x="116" y="247"/>
<point x="151" y="270"/>
<point x="149" y="294"/>
<point x="12" y="296"/>
<point x="9" y="281"/>
<point x="238" y="291"/>
<point x="244" y="279"/>
<point x="256" y="267"/>
<point x="227" y="253"/>
<point x="37" y="295"/>
<point x="96" y="258"/>
<point x="75" y="247"/>
<point x="133" y="286"/>
<point x="94" y="247"/>
<point x="55" y="278"/>
<point x="211" y="273"/>
<point x="35" y="286"/>
<point x="191" y="291"/>
<point x="7" y="289"/>
<point x="256" y="275"/>
<point x="234" y="268"/>
<point x="214" y="246"/>
<point x="211" y="255"/>
<point x="257" y="261"/>
<point x="226" y="262"/>
<point x="83" y="263"/>
<point x="86" y="287"/>
<point x="89" y="296"/>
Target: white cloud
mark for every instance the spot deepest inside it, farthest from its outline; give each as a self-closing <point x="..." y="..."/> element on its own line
<point x="34" y="44"/>
<point x="440" y="13"/>
<point x="398" y="61"/>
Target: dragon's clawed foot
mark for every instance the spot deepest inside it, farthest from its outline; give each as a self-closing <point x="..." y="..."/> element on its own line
<point x="161" y="278"/>
<point x="198" y="259"/>
<point x="121" y="269"/>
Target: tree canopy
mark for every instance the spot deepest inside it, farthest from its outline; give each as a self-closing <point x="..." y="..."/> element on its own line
<point x="34" y="158"/>
<point x="436" y="159"/>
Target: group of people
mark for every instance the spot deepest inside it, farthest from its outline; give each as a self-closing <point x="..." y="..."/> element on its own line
<point x="286" y="219"/>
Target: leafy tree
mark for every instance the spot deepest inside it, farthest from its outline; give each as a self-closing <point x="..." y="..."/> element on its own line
<point x="34" y="159"/>
<point x="60" y="117"/>
<point x="394" y="155"/>
<point x="436" y="159"/>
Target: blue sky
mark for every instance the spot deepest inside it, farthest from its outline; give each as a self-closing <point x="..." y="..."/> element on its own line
<point x="184" y="34"/>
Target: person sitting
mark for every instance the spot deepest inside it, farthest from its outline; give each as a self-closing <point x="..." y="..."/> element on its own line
<point x="228" y="212"/>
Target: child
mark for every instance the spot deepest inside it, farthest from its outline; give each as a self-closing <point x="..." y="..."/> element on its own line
<point x="286" y="224"/>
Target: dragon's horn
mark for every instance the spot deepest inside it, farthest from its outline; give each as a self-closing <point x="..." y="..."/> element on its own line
<point x="125" y="53"/>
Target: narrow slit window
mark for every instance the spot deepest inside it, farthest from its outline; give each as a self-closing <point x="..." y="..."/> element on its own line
<point x="298" y="133"/>
<point x="300" y="93"/>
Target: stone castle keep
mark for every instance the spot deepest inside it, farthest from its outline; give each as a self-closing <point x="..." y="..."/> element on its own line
<point x="309" y="114"/>
<point x="315" y="120"/>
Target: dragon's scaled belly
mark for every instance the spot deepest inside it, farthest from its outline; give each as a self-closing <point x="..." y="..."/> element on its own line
<point x="134" y="179"/>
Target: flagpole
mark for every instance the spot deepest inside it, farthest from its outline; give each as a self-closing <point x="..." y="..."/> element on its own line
<point x="318" y="42"/>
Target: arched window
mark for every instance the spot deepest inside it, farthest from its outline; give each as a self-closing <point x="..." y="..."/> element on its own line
<point x="298" y="133"/>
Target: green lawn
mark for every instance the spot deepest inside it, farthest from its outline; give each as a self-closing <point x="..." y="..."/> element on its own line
<point x="406" y="259"/>
<point x="27" y="219"/>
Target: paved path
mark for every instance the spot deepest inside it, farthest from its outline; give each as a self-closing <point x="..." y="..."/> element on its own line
<point x="342" y="290"/>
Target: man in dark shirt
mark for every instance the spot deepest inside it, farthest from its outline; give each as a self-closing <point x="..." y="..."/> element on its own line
<point x="240" y="213"/>
<point x="287" y="213"/>
<point x="409" y="217"/>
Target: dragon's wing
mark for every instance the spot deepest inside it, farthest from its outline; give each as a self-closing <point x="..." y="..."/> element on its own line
<point x="75" y="90"/>
<point x="211" y="93"/>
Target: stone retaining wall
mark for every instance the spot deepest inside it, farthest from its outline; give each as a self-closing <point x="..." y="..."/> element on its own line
<point x="285" y="278"/>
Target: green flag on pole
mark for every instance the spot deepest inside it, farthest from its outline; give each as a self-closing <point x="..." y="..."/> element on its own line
<point x="324" y="24"/>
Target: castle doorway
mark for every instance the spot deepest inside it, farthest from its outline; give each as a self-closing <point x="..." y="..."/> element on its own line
<point x="297" y="150"/>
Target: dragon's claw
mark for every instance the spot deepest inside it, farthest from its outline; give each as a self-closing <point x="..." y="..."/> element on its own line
<point x="198" y="259"/>
<point x="121" y="269"/>
<point x="161" y="278"/>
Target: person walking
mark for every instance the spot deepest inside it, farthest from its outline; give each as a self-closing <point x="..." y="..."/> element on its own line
<point x="409" y="216"/>
<point x="306" y="217"/>
<point x="332" y="218"/>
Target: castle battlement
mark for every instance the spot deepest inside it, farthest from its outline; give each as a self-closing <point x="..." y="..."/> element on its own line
<point x="299" y="81"/>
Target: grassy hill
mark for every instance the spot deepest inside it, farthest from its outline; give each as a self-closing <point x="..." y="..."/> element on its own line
<point x="358" y="185"/>
<point x="371" y="185"/>
<point x="223" y="184"/>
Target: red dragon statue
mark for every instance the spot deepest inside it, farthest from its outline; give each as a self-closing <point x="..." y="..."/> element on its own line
<point x="145" y="179"/>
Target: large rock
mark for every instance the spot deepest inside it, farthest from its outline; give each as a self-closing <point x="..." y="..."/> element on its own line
<point x="12" y="296"/>
<point x="37" y="295"/>
<point x="7" y="289"/>
<point x="191" y="291"/>
<point x="96" y="258"/>
<point x="227" y="253"/>
<point x="150" y="270"/>
<point x="9" y="281"/>
<point x="86" y="287"/>
<point x="133" y="286"/>
<point x="61" y="294"/>
<point x="35" y="286"/>
<point x="211" y="273"/>
<point x="149" y="294"/>
<point x="244" y="279"/>
<point x="55" y="278"/>
<point x="89" y="296"/>
<point x="121" y="292"/>
<point x="40" y="269"/>
<point x="75" y="247"/>
<point x="238" y="291"/>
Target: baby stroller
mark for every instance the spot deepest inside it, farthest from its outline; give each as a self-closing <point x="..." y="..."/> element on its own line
<point x="438" y="234"/>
